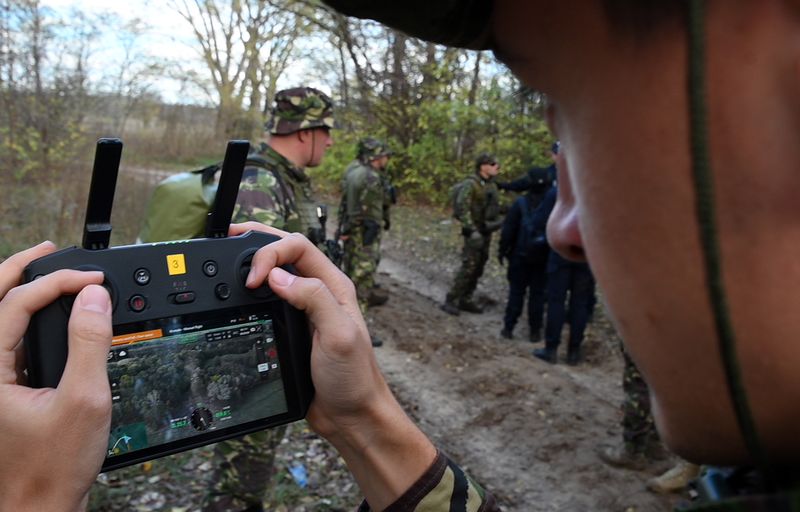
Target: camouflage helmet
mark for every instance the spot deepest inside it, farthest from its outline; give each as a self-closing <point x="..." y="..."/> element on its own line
<point x="370" y="148"/>
<point x="485" y="158"/>
<point x="463" y="23"/>
<point x="298" y="109"/>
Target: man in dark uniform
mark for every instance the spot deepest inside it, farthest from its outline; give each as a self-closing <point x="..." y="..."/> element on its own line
<point x="524" y="244"/>
<point x="565" y="279"/>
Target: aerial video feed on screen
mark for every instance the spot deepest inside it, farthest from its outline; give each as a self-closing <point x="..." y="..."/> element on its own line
<point x="182" y="376"/>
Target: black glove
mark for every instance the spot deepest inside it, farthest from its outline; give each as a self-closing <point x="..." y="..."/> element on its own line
<point x="386" y="224"/>
<point x="466" y="231"/>
<point x="371" y="231"/>
<point x="316" y="235"/>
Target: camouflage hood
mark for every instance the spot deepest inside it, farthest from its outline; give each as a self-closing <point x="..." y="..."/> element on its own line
<point x="298" y="109"/>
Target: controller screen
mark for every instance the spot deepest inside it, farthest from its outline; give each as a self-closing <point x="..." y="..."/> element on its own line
<point x="177" y="377"/>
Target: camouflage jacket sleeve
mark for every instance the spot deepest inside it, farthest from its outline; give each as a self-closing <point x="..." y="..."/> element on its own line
<point x="464" y="204"/>
<point x="443" y="488"/>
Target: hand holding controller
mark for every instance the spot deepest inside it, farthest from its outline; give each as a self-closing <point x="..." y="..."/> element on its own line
<point x="57" y="436"/>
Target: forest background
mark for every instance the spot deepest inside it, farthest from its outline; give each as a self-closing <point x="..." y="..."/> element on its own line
<point x="69" y="76"/>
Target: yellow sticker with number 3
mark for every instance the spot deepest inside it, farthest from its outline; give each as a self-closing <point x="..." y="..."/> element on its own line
<point x="176" y="264"/>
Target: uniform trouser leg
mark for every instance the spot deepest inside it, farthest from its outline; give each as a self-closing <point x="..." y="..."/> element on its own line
<point x="581" y="285"/>
<point x="360" y="265"/>
<point x="638" y="428"/>
<point x="473" y="259"/>
<point x="518" y="280"/>
<point x="536" y="296"/>
<point x="243" y="471"/>
<point x="557" y="288"/>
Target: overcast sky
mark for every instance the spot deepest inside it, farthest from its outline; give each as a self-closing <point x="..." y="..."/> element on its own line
<point x="169" y="36"/>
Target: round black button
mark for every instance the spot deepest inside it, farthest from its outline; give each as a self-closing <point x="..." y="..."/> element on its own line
<point x="223" y="291"/>
<point x="137" y="303"/>
<point x="210" y="268"/>
<point x="141" y="276"/>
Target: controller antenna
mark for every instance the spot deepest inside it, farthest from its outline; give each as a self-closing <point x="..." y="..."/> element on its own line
<point x="219" y="218"/>
<point x="97" y="226"/>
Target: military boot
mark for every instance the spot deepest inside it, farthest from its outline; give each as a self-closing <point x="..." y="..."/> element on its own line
<point x="469" y="306"/>
<point x="622" y="456"/>
<point x="376" y="341"/>
<point x="506" y="333"/>
<point x="574" y="356"/>
<point x="675" y="479"/>
<point x="377" y="297"/>
<point x="450" y="309"/>
<point x="548" y="355"/>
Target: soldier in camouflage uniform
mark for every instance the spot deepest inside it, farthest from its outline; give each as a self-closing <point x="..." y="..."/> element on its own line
<point x="275" y="190"/>
<point x="477" y="209"/>
<point x="364" y="210"/>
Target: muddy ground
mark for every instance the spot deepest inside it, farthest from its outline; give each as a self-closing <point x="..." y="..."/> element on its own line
<point x="526" y="430"/>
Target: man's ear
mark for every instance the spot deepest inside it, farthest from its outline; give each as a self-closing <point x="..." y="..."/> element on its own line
<point x="303" y="135"/>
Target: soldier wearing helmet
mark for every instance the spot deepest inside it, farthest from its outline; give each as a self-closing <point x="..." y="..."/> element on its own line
<point x="275" y="190"/>
<point x="363" y="212"/>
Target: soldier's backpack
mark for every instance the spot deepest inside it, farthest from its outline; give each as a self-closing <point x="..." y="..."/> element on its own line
<point x="179" y="206"/>
<point x="456" y="191"/>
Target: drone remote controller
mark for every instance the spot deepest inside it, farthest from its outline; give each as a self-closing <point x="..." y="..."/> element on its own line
<point x="196" y="356"/>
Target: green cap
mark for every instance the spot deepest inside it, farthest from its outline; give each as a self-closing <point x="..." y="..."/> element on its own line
<point x="298" y="109"/>
<point x="370" y="148"/>
<point x="463" y="23"/>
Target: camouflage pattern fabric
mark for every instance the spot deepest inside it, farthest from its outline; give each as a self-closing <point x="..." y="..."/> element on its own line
<point x="360" y="264"/>
<point x="473" y="259"/>
<point x="243" y="470"/>
<point x="638" y="428"/>
<point x="370" y="148"/>
<point x="479" y="204"/>
<point x="363" y="207"/>
<point x="276" y="193"/>
<point x="462" y="23"/>
<point x="279" y="194"/>
<point x="301" y="108"/>
<point x="444" y="487"/>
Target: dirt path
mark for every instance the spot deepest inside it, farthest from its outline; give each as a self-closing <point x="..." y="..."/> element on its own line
<point x="525" y="429"/>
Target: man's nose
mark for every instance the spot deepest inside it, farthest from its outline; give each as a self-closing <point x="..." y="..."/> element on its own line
<point x="563" y="227"/>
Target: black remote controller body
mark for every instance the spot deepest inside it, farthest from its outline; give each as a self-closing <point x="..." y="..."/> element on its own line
<point x="187" y="300"/>
<point x="196" y="356"/>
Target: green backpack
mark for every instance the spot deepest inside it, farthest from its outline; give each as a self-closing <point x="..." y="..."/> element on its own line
<point x="456" y="191"/>
<point x="179" y="206"/>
